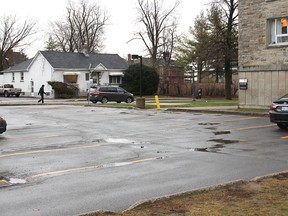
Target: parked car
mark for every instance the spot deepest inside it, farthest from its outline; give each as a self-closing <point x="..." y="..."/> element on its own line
<point x="109" y="93"/>
<point x="3" y="125"/>
<point x="279" y="112"/>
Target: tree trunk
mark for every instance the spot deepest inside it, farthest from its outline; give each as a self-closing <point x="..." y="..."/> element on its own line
<point x="228" y="78"/>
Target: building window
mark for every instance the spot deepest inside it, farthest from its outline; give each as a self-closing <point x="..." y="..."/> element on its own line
<point x="13" y="77"/>
<point x="22" y="76"/>
<point x="278" y="31"/>
<point x="115" y="79"/>
<point x="87" y="76"/>
<point x="70" y="78"/>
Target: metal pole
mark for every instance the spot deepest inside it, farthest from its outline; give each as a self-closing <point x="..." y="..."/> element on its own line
<point x="140" y="76"/>
<point x="193" y="86"/>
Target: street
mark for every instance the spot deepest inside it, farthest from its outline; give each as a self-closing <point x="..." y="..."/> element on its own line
<point x="68" y="160"/>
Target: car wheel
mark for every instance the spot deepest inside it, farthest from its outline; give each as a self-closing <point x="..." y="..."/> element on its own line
<point x="129" y="100"/>
<point x="118" y="101"/>
<point x="282" y="125"/>
<point x="6" y="94"/>
<point x="94" y="102"/>
<point x="17" y="95"/>
<point x="104" y="100"/>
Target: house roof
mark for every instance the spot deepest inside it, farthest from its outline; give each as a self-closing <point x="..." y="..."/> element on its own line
<point x="23" y="66"/>
<point x="62" y="60"/>
<point x="80" y="60"/>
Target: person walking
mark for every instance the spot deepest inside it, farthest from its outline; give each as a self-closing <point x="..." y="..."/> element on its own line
<point x="41" y="93"/>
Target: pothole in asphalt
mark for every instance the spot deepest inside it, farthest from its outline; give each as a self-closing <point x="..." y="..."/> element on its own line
<point x="213" y="149"/>
<point x="6" y="181"/>
<point x="222" y="132"/>
<point x="98" y="141"/>
<point x="223" y="141"/>
<point x="216" y="148"/>
<point x="209" y="123"/>
<point x="201" y="149"/>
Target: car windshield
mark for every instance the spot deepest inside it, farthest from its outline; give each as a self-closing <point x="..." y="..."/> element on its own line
<point x="285" y="97"/>
<point x="119" y="89"/>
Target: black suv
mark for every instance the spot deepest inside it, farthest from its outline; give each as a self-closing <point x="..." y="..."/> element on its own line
<point x="109" y="93"/>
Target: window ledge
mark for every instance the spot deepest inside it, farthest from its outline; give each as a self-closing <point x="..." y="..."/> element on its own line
<point x="277" y="45"/>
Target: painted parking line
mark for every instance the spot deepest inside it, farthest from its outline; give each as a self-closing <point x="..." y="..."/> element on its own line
<point x="234" y="120"/>
<point x="48" y="150"/>
<point x="33" y="137"/>
<point x="119" y="164"/>
<point x="253" y="127"/>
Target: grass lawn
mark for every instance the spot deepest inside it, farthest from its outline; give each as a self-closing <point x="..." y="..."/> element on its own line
<point x="266" y="196"/>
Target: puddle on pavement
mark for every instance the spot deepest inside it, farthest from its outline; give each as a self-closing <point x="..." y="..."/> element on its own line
<point x="211" y="128"/>
<point x="221" y="143"/>
<point x="118" y="140"/>
<point x="17" y="181"/>
<point x="2" y="138"/>
<point x="119" y="164"/>
<point x="124" y="113"/>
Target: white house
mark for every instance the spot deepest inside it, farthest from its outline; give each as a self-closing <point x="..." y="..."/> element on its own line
<point x="79" y="69"/>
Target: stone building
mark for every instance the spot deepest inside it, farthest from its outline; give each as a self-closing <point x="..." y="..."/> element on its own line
<point x="263" y="51"/>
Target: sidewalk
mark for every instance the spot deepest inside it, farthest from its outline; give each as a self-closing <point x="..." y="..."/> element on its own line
<point x="171" y="102"/>
<point x="217" y="109"/>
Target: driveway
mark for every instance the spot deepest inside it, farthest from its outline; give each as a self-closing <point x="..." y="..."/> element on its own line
<point x="67" y="160"/>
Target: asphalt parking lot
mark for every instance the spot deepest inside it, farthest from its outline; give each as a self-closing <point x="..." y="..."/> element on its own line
<point x="67" y="160"/>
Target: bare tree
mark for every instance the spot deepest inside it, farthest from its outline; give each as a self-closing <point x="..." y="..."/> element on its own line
<point x="158" y="34"/>
<point x="13" y="34"/>
<point x="82" y="28"/>
<point x="229" y="34"/>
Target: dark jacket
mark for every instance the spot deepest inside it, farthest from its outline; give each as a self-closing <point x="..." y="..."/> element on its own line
<point x="41" y="91"/>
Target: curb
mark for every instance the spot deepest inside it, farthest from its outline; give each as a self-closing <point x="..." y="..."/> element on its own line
<point x="232" y="112"/>
<point x="205" y="189"/>
<point x="191" y="192"/>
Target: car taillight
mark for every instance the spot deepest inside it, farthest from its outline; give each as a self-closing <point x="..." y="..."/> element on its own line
<point x="272" y="107"/>
<point x="95" y="92"/>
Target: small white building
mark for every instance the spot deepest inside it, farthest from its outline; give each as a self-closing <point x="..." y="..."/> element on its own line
<point x="80" y="69"/>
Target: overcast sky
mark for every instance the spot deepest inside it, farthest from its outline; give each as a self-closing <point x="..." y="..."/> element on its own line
<point x="122" y="16"/>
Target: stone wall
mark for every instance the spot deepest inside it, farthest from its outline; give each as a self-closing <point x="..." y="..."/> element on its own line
<point x="265" y="66"/>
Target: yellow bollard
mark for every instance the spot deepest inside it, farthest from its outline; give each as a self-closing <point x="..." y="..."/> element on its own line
<point x="157" y="102"/>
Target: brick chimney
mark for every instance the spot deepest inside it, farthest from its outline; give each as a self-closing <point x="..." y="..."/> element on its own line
<point x="129" y="61"/>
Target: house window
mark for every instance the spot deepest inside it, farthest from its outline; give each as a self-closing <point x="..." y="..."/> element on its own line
<point x="13" y="77"/>
<point x="278" y="31"/>
<point x="87" y="76"/>
<point x="115" y="79"/>
<point x="22" y="76"/>
<point x="70" y="78"/>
